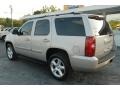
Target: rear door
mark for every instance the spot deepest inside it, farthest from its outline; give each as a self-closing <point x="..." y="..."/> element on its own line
<point x="41" y="38"/>
<point x="104" y="36"/>
<point x="69" y="34"/>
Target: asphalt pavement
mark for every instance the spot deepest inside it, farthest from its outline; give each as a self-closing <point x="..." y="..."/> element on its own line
<point x="25" y="71"/>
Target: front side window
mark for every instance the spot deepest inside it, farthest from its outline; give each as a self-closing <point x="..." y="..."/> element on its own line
<point x="42" y="27"/>
<point x="72" y="26"/>
<point x="27" y="28"/>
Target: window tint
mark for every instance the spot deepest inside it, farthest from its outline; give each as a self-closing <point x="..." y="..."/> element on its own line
<point x="27" y="28"/>
<point x="42" y="27"/>
<point x="100" y="26"/>
<point x="70" y="26"/>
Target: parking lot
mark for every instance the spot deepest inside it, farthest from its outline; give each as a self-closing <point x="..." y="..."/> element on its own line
<point x="117" y="38"/>
<point x="25" y="71"/>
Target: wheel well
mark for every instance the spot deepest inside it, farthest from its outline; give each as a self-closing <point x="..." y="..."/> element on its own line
<point x="3" y="36"/>
<point x="52" y="51"/>
<point x="8" y="43"/>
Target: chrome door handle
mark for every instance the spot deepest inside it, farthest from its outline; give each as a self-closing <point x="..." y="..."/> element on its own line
<point x="46" y="40"/>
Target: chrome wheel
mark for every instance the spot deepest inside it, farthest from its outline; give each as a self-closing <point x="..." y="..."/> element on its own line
<point x="10" y="52"/>
<point x="57" y="67"/>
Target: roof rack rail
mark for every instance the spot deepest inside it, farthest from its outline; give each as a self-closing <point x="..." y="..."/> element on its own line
<point x="45" y="15"/>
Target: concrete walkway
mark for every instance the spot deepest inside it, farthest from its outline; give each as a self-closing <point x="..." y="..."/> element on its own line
<point x="117" y="38"/>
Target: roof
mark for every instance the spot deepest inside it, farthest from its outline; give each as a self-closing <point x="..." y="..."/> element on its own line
<point x="95" y="9"/>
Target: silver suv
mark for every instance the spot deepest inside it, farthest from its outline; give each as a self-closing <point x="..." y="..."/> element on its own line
<point x="81" y="42"/>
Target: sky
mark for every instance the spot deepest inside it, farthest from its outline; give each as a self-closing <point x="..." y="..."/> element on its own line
<point x="24" y="7"/>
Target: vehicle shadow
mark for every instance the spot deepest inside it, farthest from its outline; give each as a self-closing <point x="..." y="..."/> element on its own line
<point x="101" y="77"/>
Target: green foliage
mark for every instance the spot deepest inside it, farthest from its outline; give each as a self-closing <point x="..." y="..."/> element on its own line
<point x="37" y="12"/>
<point x="17" y="23"/>
<point x="1" y="21"/>
<point x="53" y="9"/>
<point x="114" y="24"/>
<point x="7" y="22"/>
<point x="46" y="9"/>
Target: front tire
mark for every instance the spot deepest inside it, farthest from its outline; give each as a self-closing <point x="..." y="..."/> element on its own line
<point x="59" y="66"/>
<point x="11" y="54"/>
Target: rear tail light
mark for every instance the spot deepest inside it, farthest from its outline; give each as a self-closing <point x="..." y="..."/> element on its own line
<point x="90" y="45"/>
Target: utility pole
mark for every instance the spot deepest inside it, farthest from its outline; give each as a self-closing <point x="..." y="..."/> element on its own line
<point x="11" y="12"/>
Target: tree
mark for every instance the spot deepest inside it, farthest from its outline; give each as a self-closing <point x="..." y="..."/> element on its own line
<point x="114" y="23"/>
<point x="2" y="21"/>
<point x="53" y="8"/>
<point x="46" y="9"/>
<point x="37" y="12"/>
<point x="7" y="22"/>
<point x="17" y="23"/>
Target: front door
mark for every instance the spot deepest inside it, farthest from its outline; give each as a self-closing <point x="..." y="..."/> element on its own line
<point x="23" y="40"/>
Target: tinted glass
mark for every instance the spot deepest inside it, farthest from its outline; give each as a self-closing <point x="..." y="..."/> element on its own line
<point x="42" y="27"/>
<point x="70" y="26"/>
<point x="27" y="28"/>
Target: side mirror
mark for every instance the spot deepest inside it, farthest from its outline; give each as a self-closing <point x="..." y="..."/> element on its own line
<point x="15" y="32"/>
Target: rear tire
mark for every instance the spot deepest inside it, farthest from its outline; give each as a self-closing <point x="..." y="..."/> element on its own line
<point x="11" y="54"/>
<point x="59" y="66"/>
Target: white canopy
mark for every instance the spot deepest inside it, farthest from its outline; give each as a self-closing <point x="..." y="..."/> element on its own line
<point x="95" y="9"/>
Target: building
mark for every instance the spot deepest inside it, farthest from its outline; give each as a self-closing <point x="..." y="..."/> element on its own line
<point x="66" y="7"/>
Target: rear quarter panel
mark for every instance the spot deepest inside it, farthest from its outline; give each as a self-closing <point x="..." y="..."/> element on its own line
<point x="104" y="45"/>
<point x="74" y="45"/>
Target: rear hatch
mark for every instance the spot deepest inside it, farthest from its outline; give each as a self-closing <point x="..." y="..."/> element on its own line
<point x="104" y="37"/>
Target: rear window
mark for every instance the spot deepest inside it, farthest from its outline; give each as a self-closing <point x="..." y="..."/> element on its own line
<point x="70" y="26"/>
<point x="99" y="26"/>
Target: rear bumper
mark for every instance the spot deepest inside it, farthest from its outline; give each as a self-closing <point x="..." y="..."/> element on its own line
<point x="81" y="63"/>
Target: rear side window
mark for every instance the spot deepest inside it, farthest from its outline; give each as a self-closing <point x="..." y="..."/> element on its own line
<point x="42" y="27"/>
<point x="73" y="26"/>
<point x="99" y="26"/>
